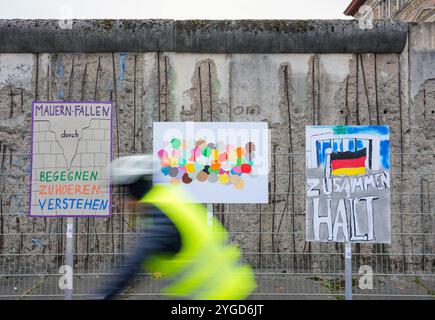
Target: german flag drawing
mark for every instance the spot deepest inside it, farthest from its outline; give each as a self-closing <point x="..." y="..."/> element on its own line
<point x="348" y="163"/>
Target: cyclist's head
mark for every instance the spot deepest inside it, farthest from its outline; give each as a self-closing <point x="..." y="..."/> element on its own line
<point x="130" y="169"/>
<point x="135" y="172"/>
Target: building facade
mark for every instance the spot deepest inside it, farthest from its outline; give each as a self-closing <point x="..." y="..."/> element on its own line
<point x="407" y="10"/>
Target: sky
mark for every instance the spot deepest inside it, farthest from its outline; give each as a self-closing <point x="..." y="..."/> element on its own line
<point x="173" y="9"/>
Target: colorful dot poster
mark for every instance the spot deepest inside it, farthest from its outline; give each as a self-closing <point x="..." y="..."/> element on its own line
<point x="71" y="151"/>
<point x="217" y="162"/>
<point x="348" y="184"/>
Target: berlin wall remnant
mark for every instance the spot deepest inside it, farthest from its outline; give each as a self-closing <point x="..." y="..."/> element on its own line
<point x="290" y="74"/>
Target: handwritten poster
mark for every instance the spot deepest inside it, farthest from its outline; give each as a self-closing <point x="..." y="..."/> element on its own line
<point x="71" y="151"/>
<point x="348" y="184"/>
<point x="218" y="162"/>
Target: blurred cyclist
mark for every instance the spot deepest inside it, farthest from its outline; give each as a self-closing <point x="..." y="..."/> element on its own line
<point x="196" y="258"/>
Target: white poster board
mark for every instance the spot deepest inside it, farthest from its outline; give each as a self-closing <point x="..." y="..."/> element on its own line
<point x="71" y="151"/>
<point x="217" y="162"/>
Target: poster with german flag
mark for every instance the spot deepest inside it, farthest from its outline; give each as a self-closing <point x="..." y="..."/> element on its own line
<point x="348" y="184"/>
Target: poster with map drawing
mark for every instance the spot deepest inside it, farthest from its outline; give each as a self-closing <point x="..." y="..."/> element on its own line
<point x="71" y="151"/>
<point x="217" y="162"/>
<point x="348" y="184"/>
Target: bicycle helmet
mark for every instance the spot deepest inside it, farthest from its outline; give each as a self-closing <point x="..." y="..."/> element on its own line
<point x="129" y="169"/>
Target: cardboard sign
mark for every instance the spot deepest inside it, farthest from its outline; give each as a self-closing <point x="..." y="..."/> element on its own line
<point x="348" y="184"/>
<point x="217" y="162"/>
<point x="71" y="151"/>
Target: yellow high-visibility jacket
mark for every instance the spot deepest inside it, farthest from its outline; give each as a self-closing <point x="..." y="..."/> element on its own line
<point x="207" y="265"/>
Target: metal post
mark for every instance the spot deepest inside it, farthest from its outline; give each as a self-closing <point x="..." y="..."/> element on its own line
<point x="69" y="256"/>
<point x="348" y="270"/>
<point x="209" y="214"/>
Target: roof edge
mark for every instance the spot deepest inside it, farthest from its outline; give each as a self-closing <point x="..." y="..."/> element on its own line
<point x="353" y="7"/>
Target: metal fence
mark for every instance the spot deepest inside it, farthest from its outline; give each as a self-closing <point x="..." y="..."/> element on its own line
<point x="271" y="236"/>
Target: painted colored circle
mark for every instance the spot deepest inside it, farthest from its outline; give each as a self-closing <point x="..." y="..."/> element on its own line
<point x="200" y="144"/>
<point x="202" y="176"/>
<point x="196" y="152"/>
<point x="165" y="162"/>
<point x="240" y="185"/>
<point x="215" y="166"/>
<point x="213" y="178"/>
<point x="206" y="169"/>
<point x="175" y="153"/>
<point x="175" y="181"/>
<point x="224" y="178"/>
<point x="235" y="179"/>
<point x="175" y="143"/>
<point x="237" y="169"/>
<point x="173" y="172"/>
<point x="235" y="173"/>
<point x="186" y="179"/>
<point x="206" y="152"/>
<point x="165" y="170"/>
<point x="221" y="171"/>
<point x="240" y="152"/>
<point x="250" y="156"/>
<point x="181" y="162"/>
<point x="246" y="168"/>
<point x="223" y="157"/>
<point x="173" y="161"/>
<point x="190" y="167"/>
<point x="162" y="154"/>
<point x="250" y="147"/>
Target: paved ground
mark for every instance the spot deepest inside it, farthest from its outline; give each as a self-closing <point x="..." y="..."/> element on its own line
<point x="270" y="286"/>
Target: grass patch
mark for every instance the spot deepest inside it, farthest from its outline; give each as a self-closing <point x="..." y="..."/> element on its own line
<point x="35" y="286"/>
<point x="419" y="282"/>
